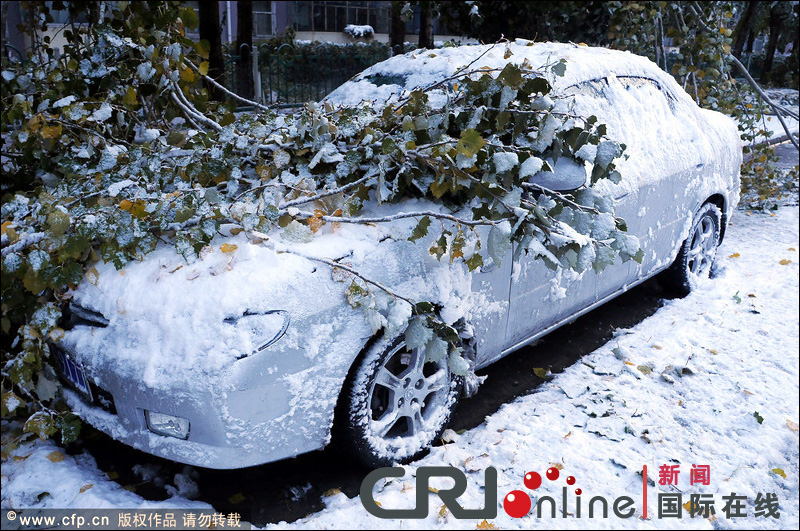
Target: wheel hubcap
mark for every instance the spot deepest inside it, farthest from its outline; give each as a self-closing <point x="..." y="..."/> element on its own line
<point x="408" y="393"/>
<point x="703" y="248"/>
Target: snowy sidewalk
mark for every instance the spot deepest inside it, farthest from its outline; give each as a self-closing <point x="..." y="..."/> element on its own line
<point x="683" y="387"/>
<point x="711" y="379"/>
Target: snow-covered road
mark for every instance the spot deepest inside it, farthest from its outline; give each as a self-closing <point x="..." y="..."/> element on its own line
<point x="711" y="379"/>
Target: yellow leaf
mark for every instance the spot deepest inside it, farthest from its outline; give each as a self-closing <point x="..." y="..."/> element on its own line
<point x="228" y="247"/>
<point x="236" y="230"/>
<point x="785" y="262"/>
<point x="433" y="490"/>
<point x="687" y="505"/>
<point x="567" y="435"/>
<point x="779" y="472"/>
<point x="557" y="465"/>
<point x="540" y="372"/>
<point x="113" y="475"/>
<point x="130" y="98"/>
<point x="331" y="492"/>
<point x="486" y="524"/>
<point x="4" y="226"/>
<point x="657" y="347"/>
<point x="745" y="391"/>
<point x="792" y="425"/>
<point x="126" y="204"/>
<point x="86" y="487"/>
<point x="203" y="68"/>
<point x="734" y="255"/>
<point x="628" y="363"/>
<point x="187" y="74"/>
<point x="236" y="498"/>
<point x="55" y="457"/>
<point x="51" y="131"/>
<point x="792" y="249"/>
<point x="714" y="352"/>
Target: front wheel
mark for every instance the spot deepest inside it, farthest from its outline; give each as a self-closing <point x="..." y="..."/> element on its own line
<point x="697" y="253"/>
<point x="397" y="404"/>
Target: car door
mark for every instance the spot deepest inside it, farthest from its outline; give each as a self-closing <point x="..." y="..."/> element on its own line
<point x="640" y="113"/>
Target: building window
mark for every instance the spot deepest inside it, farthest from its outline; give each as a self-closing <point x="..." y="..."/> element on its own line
<point x="262" y="19"/>
<point x="335" y="15"/>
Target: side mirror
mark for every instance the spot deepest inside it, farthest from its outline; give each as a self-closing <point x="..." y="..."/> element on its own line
<point x="567" y="175"/>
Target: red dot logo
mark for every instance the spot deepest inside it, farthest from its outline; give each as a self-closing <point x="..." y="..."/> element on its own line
<point x="533" y="480"/>
<point x="552" y="473"/>
<point x="578" y="492"/>
<point x="517" y="504"/>
<point x="570" y="480"/>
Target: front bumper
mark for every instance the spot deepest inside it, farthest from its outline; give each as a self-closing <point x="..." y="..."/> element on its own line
<point x="249" y="419"/>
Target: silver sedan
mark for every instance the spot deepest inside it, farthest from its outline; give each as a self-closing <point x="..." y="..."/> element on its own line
<point x="184" y="363"/>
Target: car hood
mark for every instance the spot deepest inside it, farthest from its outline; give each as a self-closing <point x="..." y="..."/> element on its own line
<point x="168" y="316"/>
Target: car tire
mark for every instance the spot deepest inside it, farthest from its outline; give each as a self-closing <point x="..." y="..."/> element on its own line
<point x="696" y="256"/>
<point x="396" y="404"/>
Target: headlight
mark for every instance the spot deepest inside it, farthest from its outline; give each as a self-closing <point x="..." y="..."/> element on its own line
<point x="167" y="424"/>
<point x="264" y="329"/>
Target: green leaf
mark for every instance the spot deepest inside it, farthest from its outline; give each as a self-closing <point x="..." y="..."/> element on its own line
<point x="388" y="146"/>
<point x="203" y="48"/>
<point x="510" y="76"/>
<point x="470" y="143"/>
<point x="421" y="230"/>
<point x="474" y="262"/>
<point x="560" y="68"/>
<point x="184" y="214"/>
<point x="758" y="417"/>
<point x="189" y="17"/>
<point x="498" y="245"/>
<point x="58" y="222"/>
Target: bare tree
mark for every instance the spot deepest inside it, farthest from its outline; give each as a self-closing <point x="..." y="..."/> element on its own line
<point x="743" y="28"/>
<point x="244" y="43"/>
<point x="426" y="24"/>
<point x="397" y="30"/>
<point x="211" y="31"/>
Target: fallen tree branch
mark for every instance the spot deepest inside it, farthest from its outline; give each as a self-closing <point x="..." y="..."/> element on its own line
<point x="26" y="240"/>
<point x="226" y="91"/>
<point x="395" y="217"/>
<point x="777" y="108"/>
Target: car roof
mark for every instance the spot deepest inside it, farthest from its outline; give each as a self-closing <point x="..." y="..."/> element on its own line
<point x="420" y="68"/>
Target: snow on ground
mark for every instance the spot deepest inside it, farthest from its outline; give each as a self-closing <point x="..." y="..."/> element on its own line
<point x="686" y="386"/>
<point x="41" y="475"/>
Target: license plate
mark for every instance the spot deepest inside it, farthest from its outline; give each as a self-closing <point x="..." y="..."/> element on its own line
<point x="72" y="372"/>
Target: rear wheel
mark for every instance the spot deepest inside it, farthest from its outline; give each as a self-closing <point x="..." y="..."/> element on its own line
<point x="697" y="253"/>
<point x="396" y="405"/>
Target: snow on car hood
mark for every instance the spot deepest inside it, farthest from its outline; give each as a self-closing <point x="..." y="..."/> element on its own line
<point x="167" y="316"/>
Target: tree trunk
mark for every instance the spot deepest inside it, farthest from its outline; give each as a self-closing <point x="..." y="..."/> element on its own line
<point x="211" y="31"/>
<point x="244" y="46"/>
<point x="751" y="39"/>
<point x="397" y="31"/>
<point x="775" y="26"/>
<point x="425" y="25"/>
<point x="743" y="29"/>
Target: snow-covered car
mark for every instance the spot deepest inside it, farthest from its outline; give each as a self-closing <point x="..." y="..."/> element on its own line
<point x="251" y="355"/>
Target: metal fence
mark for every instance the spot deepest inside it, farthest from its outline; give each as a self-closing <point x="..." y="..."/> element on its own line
<point x="294" y="74"/>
